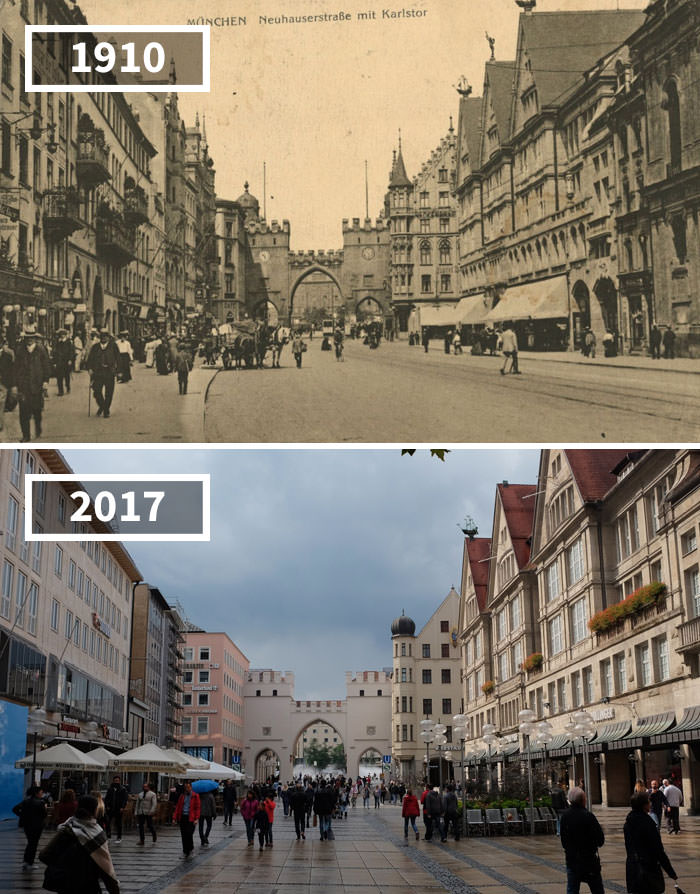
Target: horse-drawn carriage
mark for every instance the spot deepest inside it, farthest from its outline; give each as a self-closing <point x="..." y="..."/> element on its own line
<point x="247" y="343"/>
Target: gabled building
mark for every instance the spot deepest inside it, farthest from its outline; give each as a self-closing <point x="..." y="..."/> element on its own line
<point x="475" y="634"/>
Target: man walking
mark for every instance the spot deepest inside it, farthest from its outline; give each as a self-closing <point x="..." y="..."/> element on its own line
<point x="435" y="810"/>
<point x="63" y="356"/>
<point x="207" y="813"/>
<point x="31" y="376"/>
<point x="186" y="815"/>
<point x="658" y="802"/>
<point x="451" y="805"/>
<point x="674" y="799"/>
<point x="230" y="798"/>
<point x="297" y="804"/>
<point x="32" y="814"/>
<point x="115" y="802"/>
<point x="126" y="356"/>
<point x="103" y="363"/>
<point x="146" y="805"/>
<point x="182" y="365"/>
<point x="324" y="802"/>
<point x="669" y="339"/>
<point x="509" y="346"/>
<point x="581" y="836"/>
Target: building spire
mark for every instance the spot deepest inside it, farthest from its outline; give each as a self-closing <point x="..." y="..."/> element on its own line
<point x="204" y="130"/>
<point x="399" y="177"/>
<point x="173" y="75"/>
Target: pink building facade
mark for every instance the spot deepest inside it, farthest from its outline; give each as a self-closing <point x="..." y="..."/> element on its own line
<point x="212" y="718"/>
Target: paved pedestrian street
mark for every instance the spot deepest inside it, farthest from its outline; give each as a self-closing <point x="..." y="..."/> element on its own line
<point x="368" y="856"/>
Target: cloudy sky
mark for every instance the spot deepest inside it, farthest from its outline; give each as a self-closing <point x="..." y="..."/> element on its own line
<point x="314" y="552"/>
<point x="315" y="100"/>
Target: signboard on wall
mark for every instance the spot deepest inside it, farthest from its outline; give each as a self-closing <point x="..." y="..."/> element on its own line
<point x="13" y="743"/>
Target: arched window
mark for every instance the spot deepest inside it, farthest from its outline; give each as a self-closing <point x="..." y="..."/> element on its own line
<point x="445" y="252"/>
<point x="672" y="105"/>
<point x="630" y="255"/>
<point x="425" y="253"/>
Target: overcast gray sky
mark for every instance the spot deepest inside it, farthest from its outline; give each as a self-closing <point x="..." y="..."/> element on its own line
<point x="314" y="552"/>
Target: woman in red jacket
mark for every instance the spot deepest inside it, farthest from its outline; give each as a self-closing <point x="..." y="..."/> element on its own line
<point x="410" y="809"/>
<point x="186" y="814"/>
<point x="269" y="805"/>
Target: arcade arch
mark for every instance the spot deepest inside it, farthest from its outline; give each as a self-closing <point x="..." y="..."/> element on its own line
<point x="309" y="271"/>
<point x="267" y="765"/>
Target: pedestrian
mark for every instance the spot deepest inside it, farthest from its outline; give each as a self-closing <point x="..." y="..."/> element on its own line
<point x="581" y="836"/>
<point x="674" y="798"/>
<point x="343" y="798"/>
<point x="451" y="805"/>
<point x="261" y="822"/>
<point x="646" y="857"/>
<point x="32" y="813"/>
<point x="658" y="803"/>
<point x="655" y="342"/>
<point x="115" y="802"/>
<point x="609" y="344"/>
<point x="249" y="807"/>
<point x="589" y="343"/>
<point x="338" y="339"/>
<point x="298" y="347"/>
<point x="230" y="799"/>
<point x="162" y="358"/>
<point x="639" y="787"/>
<point x="100" y="812"/>
<point x="297" y="805"/>
<point x="435" y="809"/>
<point x="425" y="338"/>
<point x="457" y="342"/>
<point x="186" y="815"/>
<point x="377" y="796"/>
<point x="207" y="815"/>
<point x="31" y="375"/>
<point x="145" y="808"/>
<point x="410" y="809"/>
<point x="509" y="346"/>
<point x="365" y="796"/>
<point x="309" y="795"/>
<point x="559" y="804"/>
<point x="269" y="805"/>
<point x="669" y="340"/>
<point x="284" y="796"/>
<point x="324" y="804"/>
<point x="78" y="353"/>
<point x="66" y="807"/>
<point x="63" y="358"/>
<point x="126" y="356"/>
<point x="103" y="364"/>
<point x="448" y="341"/>
<point x="77" y="858"/>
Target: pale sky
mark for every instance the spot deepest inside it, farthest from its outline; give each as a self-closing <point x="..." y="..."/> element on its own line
<point x="313" y="553"/>
<point x="315" y="100"/>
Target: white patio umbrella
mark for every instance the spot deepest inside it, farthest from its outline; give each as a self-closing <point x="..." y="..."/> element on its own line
<point x="188" y="761"/>
<point x="61" y="757"/>
<point x="146" y="758"/>
<point x="102" y="755"/>
<point x="215" y="771"/>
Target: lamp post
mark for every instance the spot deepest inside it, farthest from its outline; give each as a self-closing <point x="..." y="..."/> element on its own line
<point x="585" y="729"/>
<point x="459" y="729"/>
<point x="428" y="736"/>
<point x="570" y="730"/>
<point x="35" y="724"/>
<point x="440" y="741"/>
<point x="544" y="738"/>
<point x="488" y="734"/>
<point x="527" y="728"/>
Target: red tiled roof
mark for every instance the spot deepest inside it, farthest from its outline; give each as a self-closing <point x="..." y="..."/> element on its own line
<point x="479" y="550"/>
<point x="519" y="514"/>
<point x="593" y="470"/>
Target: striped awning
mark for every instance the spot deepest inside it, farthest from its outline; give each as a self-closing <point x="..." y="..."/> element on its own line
<point x="613" y="733"/>
<point x="559" y="741"/>
<point x="688" y="728"/>
<point x="650" y="726"/>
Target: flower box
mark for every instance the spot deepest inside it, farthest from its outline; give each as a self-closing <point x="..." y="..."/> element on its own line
<point x="636" y="602"/>
<point x="533" y="662"/>
<point x="487" y="688"/>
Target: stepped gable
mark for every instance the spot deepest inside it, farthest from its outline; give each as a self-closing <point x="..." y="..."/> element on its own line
<point x="519" y="510"/>
<point x="478" y="552"/>
<point x="594" y="470"/>
<point x="561" y="46"/>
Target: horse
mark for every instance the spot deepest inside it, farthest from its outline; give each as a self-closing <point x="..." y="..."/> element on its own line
<point x="278" y="341"/>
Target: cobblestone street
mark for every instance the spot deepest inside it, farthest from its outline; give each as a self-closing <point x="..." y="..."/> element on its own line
<point x="369" y="856"/>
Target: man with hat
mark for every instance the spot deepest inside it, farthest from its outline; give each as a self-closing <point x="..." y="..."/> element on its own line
<point x="103" y="363"/>
<point x="32" y="373"/>
<point x="126" y="356"/>
<point x="63" y="354"/>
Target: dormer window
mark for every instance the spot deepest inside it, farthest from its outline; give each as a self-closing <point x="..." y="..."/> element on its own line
<point x="561" y="507"/>
<point x="506" y="569"/>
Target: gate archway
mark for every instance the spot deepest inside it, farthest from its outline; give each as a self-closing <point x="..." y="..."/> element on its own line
<point x="267" y="765"/>
<point x="321" y="733"/>
<point x="314" y="268"/>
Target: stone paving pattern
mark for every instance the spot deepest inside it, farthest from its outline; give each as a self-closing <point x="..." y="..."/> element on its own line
<point x="369" y="856"/>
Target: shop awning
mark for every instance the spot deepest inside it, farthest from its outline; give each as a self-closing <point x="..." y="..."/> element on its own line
<point x="561" y="740"/>
<point x="510" y="748"/>
<point x="472" y="311"/>
<point x="438" y="314"/>
<point x="613" y="732"/>
<point x="688" y="728"/>
<point x="547" y="299"/>
<point x="650" y="726"/>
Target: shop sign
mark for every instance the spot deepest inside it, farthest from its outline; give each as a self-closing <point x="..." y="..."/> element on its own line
<point x="110" y="732"/>
<point x="196" y="710"/>
<point x="603" y="714"/>
<point x="68" y="727"/>
<point x="101" y="625"/>
<point x="204" y="688"/>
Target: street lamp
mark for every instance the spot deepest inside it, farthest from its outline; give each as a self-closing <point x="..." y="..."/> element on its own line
<point x="585" y="729"/>
<point x="527" y="727"/>
<point x="440" y="740"/>
<point x="488" y="734"/>
<point x="428" y="736"/>
<point x="544" y="738"/>
<point x="35" y="724"/>
<point x="459" y="729"/>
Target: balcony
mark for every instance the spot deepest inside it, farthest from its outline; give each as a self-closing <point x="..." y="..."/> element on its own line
<point x="92" y="164"/>
<point x="61" y="213"/>
<point x="690" y="635"/>
<point x="116" y="240"/>
<point x="135" y="204"/>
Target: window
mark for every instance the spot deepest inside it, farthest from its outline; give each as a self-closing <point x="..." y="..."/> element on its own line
<point x="58" y="562"/>
<point x="444" y="199"/>
<point x="607" y="689"/>
<point x="578" y="621"/>
<point x="32" y="608"/>
<point x="68" y="630"/>
<point x="425" y="225"/>
<point x="552" y="581"/>
<point x="576" y="690"/>
<point x="444" y="650"/>
<point x="663" y="664"/>
<point x="11" y="527"/>
<point x="427" y="706"/>
<point x="403" y="675"/>
<point x="55" y="614"/>
<point x="426" y="283"/>
<point x="71" y="574"/>
<point x="16" y="468"/>
<point x="202" y="726"/>
<point x="644" y="664"/>
<point x="477" y="646"/>
<point x="501" y="625"/>
<point x="517" y="655"/>
<point x="424" y="199"/>
<point x="403" y="649"/>
<point x="425" y="253"/>
<point x="561" y="694"/>
<point x="6" y="61"/>
<point x="671" y="103"/>
<point x="36" y="549"/>
<point x="627" y="534"/>
<point x="689" y="542"/>
<point x="575" y="561"/>
<point x="561" y="507"/>
<point x="186" y="727"/>
<point x="444" y="626"/>
<point x="76" y="628"/>
<point x="427" y="675"/>
<point x="188" y="653"/>
<point x="515" y="613"/>
<point x="204" y="676"/>
<point x="445" y="675"/>
<point x="203" y="699"/>
<point x="556" y="640"/>
<point x="587" y="678"/>
<point x="187" y="676"/>
<point x="445" y="252"/>
<point x="204" y="653"/>
<point x="447" y="706"/>
<point x="692" y="585"/>
<point x="503" y="666"/>
<point x="62" y="509"/>
<point x="426" y="650"/>
<point x="8" y="579"/>
<point x="620" y="673"/>
<point x="187" y="699"/>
